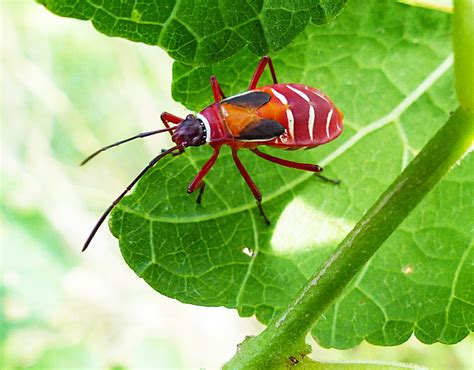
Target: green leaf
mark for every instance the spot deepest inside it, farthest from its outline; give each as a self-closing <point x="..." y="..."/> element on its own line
<point x="441" y="6"/>
<point x="203" y="31"/>
<point x="420" y="280"/>
<point x="388" y="68"/>
<point x="47" y="260"/>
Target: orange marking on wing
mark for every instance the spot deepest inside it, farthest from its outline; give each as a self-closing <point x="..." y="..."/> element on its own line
<point x="274" y="109"/>
<point x="237" y="118"/>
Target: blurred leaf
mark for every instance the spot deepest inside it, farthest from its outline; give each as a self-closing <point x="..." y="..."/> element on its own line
<point x="39" y="228"/>
<point x="421" y="279"/>
<point x="160" y="352"/>
<point x="439" y="5"/>
<point x="36" y="278"/>
<point x="66" y="357"/>
<point x="204" y="31"/>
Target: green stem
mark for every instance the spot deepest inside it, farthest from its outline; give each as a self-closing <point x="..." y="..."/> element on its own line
<point x="463" y="43"/>
<point x="285" y="335"/>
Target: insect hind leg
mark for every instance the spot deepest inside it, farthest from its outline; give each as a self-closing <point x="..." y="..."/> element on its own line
<point x="327" y="179"/>
<point x="300" y="166"/>
<point x="287" y="163"/>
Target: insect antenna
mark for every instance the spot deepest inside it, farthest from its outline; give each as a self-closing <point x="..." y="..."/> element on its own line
<point x="128" y="188"/>
<point x="139" y="136"/>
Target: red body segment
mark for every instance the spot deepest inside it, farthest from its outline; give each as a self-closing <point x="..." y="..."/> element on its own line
<point x="309" y="117"/>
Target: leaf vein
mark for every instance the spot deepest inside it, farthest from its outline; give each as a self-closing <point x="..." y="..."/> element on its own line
<point x="252" y="261"/>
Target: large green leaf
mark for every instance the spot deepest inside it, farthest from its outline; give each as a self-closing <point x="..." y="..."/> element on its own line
<point x="201" y="31"/>
<point x="387" y="66"/>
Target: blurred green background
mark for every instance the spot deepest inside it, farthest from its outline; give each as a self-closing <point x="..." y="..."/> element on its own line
<point x="67" y="90"/>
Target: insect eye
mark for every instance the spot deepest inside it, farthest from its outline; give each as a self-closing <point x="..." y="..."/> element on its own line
<point x="190" y="117"/>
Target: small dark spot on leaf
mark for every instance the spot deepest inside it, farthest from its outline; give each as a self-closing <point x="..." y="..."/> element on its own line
<point x="246" y="338"/>
<point x="293" y="360"/>
<point x="136" y="15"/>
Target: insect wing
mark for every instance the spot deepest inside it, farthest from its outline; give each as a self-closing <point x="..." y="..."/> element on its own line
<point x="249" y="100"/>
<point x="262" y="129"/>
<point x="243" y="121"/>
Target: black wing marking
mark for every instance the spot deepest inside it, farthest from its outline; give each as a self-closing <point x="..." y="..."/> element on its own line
<point x="253" y="99"/>
<point x="265" y="129"/>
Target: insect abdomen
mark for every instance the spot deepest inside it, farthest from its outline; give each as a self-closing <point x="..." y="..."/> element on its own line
<point x="310" y="117"/>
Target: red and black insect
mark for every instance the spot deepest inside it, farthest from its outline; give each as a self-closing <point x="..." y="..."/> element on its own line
<point x="286" y="116"/>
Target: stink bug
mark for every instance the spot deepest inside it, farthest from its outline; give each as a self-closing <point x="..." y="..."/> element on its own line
<point x="285" y="116"/>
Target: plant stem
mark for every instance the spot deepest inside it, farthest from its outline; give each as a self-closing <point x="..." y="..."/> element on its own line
<point x="285" y="335"/>
<point x="463" y="43"/>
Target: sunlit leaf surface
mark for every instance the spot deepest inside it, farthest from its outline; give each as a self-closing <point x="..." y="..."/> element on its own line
<point x="388" y="67"/>
<point x="204" y="31"/>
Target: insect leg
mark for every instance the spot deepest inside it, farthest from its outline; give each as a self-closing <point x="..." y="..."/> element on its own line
<point x="216" y="90"/>
<point x="256" y="193"/>
<point x="166" y="118"/>
<point x="258" y="72"/>
<point x="327" y="179"/>
<point x="286" y="163"/>
<point x="297" y="165"/>
<point x="202" y="187"/>
<point x="198" y="180"/>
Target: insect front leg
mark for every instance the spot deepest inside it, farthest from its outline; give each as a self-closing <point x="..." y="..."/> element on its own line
<point x="253" y="188"/>
<point x="198" y="182"/>
<point x="258" y="72"/>
<point x="166" y="118"/>
<point x="216" y="90"/>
